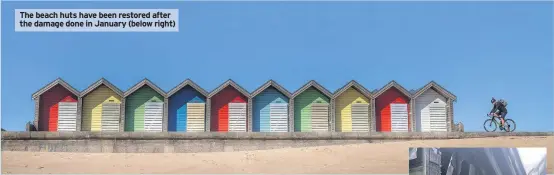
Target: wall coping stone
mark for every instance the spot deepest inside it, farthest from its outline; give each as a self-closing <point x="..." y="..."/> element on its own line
<point x="86" y="135"/>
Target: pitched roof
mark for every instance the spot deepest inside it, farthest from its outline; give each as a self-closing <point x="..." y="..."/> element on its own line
<point x="232" y="84"/>
<point x="356" y="86"/>
<point x="57" y="81"/>
<point x="312" y="83"/>
<point x="143" y="83"/>
<point x="392" y="84"/>
<point x="268" y="84"/>
<point x="185" y="83"/>
<point x="437" y="87"/>
<point x="101" y="81"/>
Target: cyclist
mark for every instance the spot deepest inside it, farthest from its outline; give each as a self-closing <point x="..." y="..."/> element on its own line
<point x="499" y="110"/>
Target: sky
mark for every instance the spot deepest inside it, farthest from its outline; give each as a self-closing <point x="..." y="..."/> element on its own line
<point x="531" y="157"/>
<point x="476" y="50"/>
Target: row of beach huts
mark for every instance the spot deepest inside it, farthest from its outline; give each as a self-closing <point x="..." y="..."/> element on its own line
<point x="230" y="108"/>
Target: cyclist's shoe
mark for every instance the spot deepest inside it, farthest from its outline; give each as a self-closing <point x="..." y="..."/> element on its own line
<point x="501" y="128"/>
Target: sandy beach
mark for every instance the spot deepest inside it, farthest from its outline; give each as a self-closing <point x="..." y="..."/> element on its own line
<point x="389" y="157"/>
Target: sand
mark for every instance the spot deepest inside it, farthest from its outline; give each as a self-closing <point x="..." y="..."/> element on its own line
<point x="389" y="157"/>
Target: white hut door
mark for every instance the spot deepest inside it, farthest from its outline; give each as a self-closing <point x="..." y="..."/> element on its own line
<point x="399" y="117"/>
<point x="320" y="117"/>
<point x="110" y="116"/>
<point x="360" y="117"/>
<point x="153" y="114"/>
<point x="430" y="110"/>
<point x="237" y="117"/>
<point x="195" y="117"/>
<point x="437" y="115"/>
<point x="67" y="116"/>
<point x="278" y="117"/>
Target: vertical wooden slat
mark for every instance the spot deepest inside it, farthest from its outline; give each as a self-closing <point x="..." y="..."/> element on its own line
<point x="373" y="115"/>
<point x="291" y="115"/>
<point x="37" y="111"/>
<point x="123" y="116"/>
<point x="208" y="119"/>
<point x="165" y="119"/>
<point x="79" y="113"/>
<point x="450" y="112"/>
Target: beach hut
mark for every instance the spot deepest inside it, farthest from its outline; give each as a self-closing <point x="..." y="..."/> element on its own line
<point x="392" y="108"/>
<point x="187" y="107"/>
<point x="144" y="107"/>
<point x="229" y="108"/>
<point x="270" y="108"/>
<point x="432" y="108"/>
<point x="101" y="107"/>
<point x="352" y="108"/>
<point x="56" y="107"/>
<point x="312" y="108"/>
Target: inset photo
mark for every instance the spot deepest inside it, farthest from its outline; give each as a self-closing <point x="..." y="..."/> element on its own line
<point x="477" y="161"/>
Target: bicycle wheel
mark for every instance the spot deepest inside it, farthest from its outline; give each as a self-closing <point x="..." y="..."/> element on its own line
<point x="511" y="125"/>
<point x="489" y="125"/>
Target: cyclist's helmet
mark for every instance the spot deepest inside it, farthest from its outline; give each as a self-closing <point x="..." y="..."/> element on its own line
<point x="493" y="100"/>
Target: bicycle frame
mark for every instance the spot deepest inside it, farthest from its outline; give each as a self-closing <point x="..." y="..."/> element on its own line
<point x="496" y="120"/>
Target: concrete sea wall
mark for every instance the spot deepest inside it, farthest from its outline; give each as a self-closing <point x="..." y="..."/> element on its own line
<point x="173" y="142"/>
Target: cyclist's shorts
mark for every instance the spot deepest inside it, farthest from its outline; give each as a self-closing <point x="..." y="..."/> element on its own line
<point x="501" y="114"/>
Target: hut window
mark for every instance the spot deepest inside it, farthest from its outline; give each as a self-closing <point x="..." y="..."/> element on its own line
<point x="111" y="100"/>
<point x="435" y="102"/>
<point x="358" y="101"/>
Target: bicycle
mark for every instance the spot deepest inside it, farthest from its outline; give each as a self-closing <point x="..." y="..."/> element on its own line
<point x="496" y="122"/>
